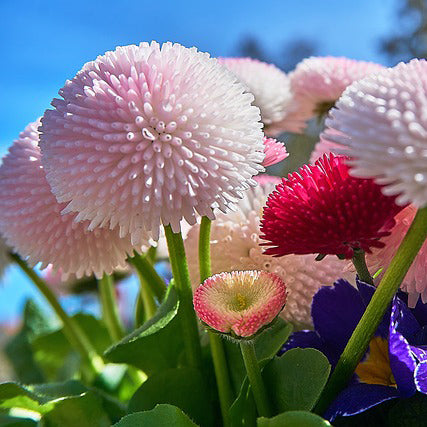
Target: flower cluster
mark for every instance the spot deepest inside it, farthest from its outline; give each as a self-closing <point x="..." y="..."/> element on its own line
<point x="235" y="245"/>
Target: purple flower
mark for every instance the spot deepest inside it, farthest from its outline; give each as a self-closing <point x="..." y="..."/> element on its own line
<point x="395" y="364"/>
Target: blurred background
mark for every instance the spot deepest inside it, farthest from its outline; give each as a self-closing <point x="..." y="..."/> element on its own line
<point x="43" y="43"/>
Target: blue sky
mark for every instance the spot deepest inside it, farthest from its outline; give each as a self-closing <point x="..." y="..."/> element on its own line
<point x="45" y="42"/>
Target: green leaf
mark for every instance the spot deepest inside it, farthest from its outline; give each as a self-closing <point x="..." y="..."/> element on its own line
<point x="293" y="419"/>
<point x="243" y="410"/>
<point x="84" y="410"/>
<point x="54" y="354"/>
<point x="271" y="340"/>
<point x="157" y="344"/>
<point x="295" y="380"/>
<point x="10" y="421"/>
<point x="160" y="416"/>
<point x="18" y="349"/>
<point x="36" y="398"/>
<point x="182" y="387"/>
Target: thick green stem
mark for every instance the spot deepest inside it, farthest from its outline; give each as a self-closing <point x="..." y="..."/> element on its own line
<point x="145" y="268"/>
<point x="254" y="374"/>
<point x="110" y="311"/>
<point x="75" y="335"/>
<point x="216" y="344"/>
<point x="376" y="309"/>
<point x="361" y="267"/>
<point x="187" y="315"/>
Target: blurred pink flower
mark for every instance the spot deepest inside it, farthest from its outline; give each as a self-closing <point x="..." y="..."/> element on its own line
<point x="415" y="281"/>
<point x="272" y="91"/>
<point x="32" y="224"/>
<point x="151" y="134"/>
<point x="317" y="82"/>
<point x="240" y="303"/>
<point x="235" y="245"/>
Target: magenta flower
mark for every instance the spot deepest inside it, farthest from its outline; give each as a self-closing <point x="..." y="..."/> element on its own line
<point x="322" y="209"/>
<point x="241" y="302"/>
<point x="32" y="224"/>
<point x="148" y="135"/>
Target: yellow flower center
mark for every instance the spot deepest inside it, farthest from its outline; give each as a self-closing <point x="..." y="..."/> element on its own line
<point x="375" y="369"/>
<point x="239" y="302"/>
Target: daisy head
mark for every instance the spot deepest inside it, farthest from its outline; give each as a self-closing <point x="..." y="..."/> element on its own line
<point x="381" y="124"/>
<point x="240" y="303"/>
<point x="33" y="225"/>
<point x="322" y="209"/>
<point x="318" y="82"/>
<point x="149" y="135"/>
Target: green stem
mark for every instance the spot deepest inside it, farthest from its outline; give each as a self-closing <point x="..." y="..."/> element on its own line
<point x="145" y="268"/>
<point x="183" y="286"/>
<point x="72" y="330"/>
<point x="110" y="311"/>
<point x="368" y="324"/>
<point x="216" y="344"/>
<point x="145" y="302"/>
<point x="254" y="374"/>
<point x="361" y="267"/>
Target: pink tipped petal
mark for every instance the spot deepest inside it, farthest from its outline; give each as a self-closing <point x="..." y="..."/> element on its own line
<point x="149" y="135"/>
<point x="381" y="123"/>
<point x="317" y="82"/>
<point x="322" y="209"/>
<point x="240" y="302"/>
<point x="275" y="152"/>
<point x="33" y="225"/>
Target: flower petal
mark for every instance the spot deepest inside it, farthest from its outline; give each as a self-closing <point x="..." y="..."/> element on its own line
<point x="358" y="398"/>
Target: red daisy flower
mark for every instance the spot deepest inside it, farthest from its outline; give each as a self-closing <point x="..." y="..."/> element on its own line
<point x="322" y="209"/>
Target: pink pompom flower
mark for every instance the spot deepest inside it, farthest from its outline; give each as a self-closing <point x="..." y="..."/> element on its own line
<point x="275" y="152"/>
<point x="322" y="209"/>
<point x="148" y="135"/>
<point x="317" y="82"/>
<point x="32" y="224"/>
<point x="240" y="303"/>
<point x="381" y="123"/>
